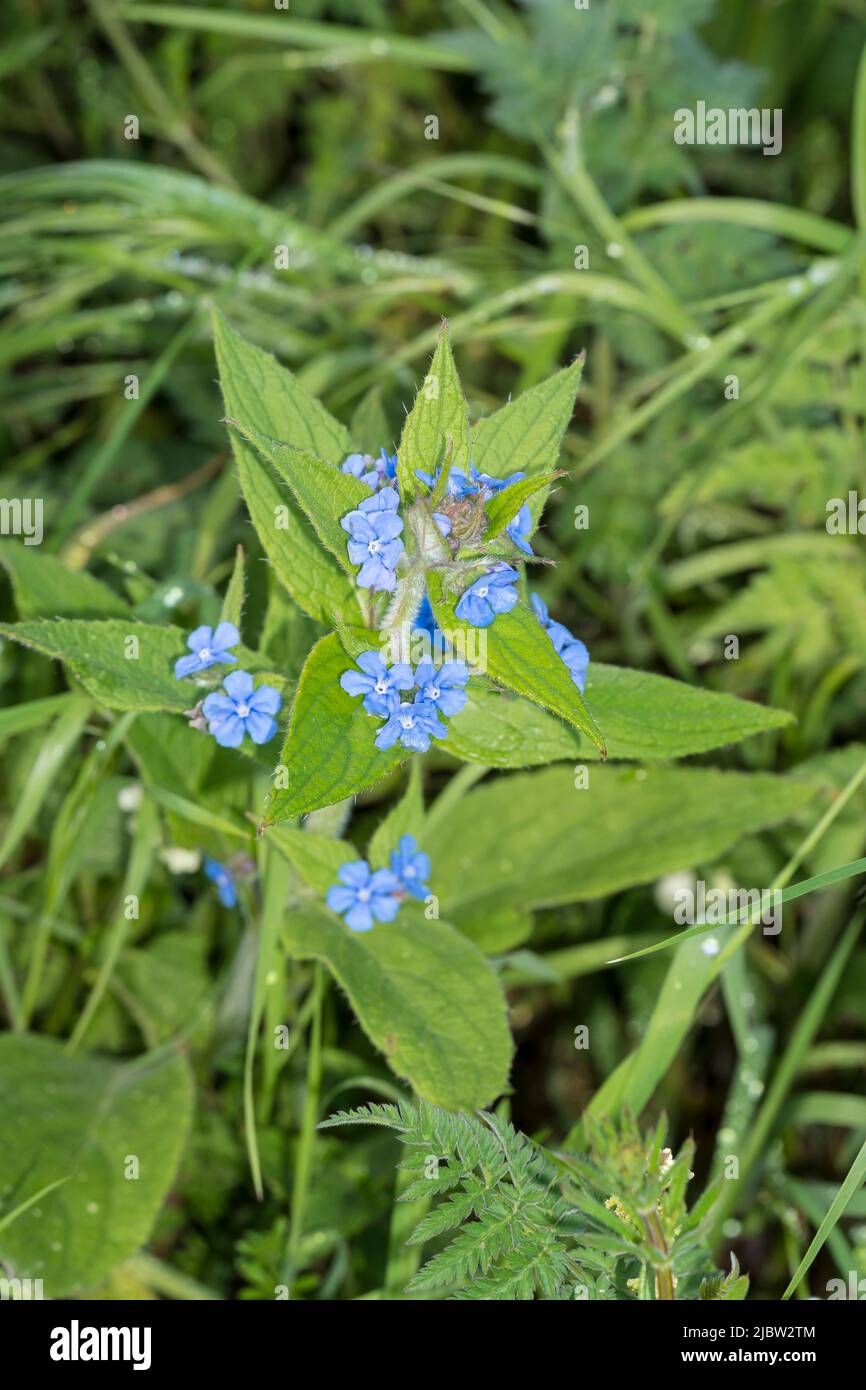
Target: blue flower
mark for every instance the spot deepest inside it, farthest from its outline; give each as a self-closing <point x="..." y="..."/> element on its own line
<point x="443" y="522"/>
<point x="540" y="608"/>
<point x="242" y="711"/>
<point x="567" y="646"/>
<point x="443" y="689"/>
<point x="378" y="684"/>
<point x="221" y="876"/>
<point x="493" y="593"/>
<point x="411" y="866"/>
<point x="489" y="484"/>
<point x="458" y="484"/>
<point x="362" y="467"/>
<point x="374" y="528"/>
<point x="425" y="621"/>
<point x="208" y="648"/>
<point x="412" y="725"/>
<point x="519" y="529"/>
<point x="362" y="896"/>
<point x="373" y="472"/>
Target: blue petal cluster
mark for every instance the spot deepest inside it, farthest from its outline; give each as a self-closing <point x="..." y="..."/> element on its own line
<point x="570" y="648"/>
<point x="374" y="543"/>
<point x="490" y="595"/>
<point x="242" y="710"/>
<point x="411" y="723"/>
<point x="209" y="648"/>
<point x="375" y="473"/>
<point x="473" y="484"/>
<point x="363" y="896"/>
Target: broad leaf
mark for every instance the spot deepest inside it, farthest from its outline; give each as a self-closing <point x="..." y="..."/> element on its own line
<point x="123" y="663"/>
<point x="438" y="416"/>
<point x="423" y="994"/>
<point x="503" y="506"/>
<point x="534" y="840"/>
<point x="258" y="390"/>
<point x="521" y="656"/>
<point x="370" y="429"/>
<point x="526" y="434"/>
<point x="329" y="751"/>
<point x="316" y="858"/>
<point x="406" y="817"/>
<point x="322" y="492"/>
<point x="645" y="718"/>
<point x="45" y="588"/>
<point x="84" y="1119"/>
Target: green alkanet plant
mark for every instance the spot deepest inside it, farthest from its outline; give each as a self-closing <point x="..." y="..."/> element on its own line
<point x="404" y="580"/>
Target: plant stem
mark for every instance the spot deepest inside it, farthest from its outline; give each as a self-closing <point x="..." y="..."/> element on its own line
<point x="306" y="1138"/>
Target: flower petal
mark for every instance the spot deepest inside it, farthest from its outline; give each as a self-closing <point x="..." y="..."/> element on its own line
<point x="229" y="733"/>
<point x="225" y="636"/>
<point x="356" y="873"/>
<point x="239" y="685"/>
<point x="260" y="727"/>
<point x="199" y="637"/>
<point x="266" y="700"/>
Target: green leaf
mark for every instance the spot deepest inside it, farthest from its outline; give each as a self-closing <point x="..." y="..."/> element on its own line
<point x="17" y="719"/>
<point x="45" y="588"/>
<point x="116" y="672"/>
<point x="329" y="751"/>
<point x="645" y="718"/>
<point x="233" y="603"/>
<point x="438" y="416"/>
<point x="258" y="390"/>
<point x="323" y="493"/>
<point x="370" y="429"/>
<point x="533" y="840"/>
<point x="406" y="817"/>
<point x="424" y="995"/>
<point x="854" y="1180"/>
<point x="503" y="506"/>
<point x="82" y="1118"/>
<point x="500" y="729"/>
<point x="521" y="656"/>
<point x="316" y="858"/>
<point x="525" y="435"/>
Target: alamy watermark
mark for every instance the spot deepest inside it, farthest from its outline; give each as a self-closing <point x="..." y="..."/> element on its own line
<point x="416" y="644"/>
<point x="22" y="516"/>
<point x="694" y="906"/>
<point x="736" y="126"/>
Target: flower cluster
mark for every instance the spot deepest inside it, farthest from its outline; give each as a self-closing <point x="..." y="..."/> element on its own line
<point x="375" y="473"/>
<point x="241" y="710"/>
<point x="364" y="896"/>
<point x="374" y="543"/>
<point x="570" y="648"/>
<point x="411" y="723"/>
<point x="484" y="486"/>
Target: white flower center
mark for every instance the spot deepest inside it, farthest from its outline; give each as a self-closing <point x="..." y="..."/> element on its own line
<point x="381" y="686"/>
<point x="363" y="895"/>
<point x="205" y="653"/>
<point x="242" y="711"/>
<point x="374" y="547"/>
<point x="433" y="692"/>
<point x="482" y="592"/>
<point x="408" y="721"/>
<point x="408" y="872"/>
